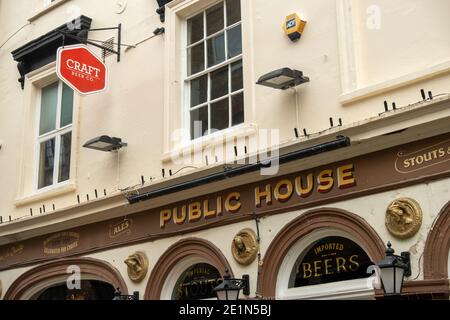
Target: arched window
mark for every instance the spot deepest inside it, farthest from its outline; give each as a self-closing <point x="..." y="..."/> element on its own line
<point x="89" y="290"/>
<point x="197" y="282"/>
<point x="326" y="264"/>
<point x="329" y="259"/>
<point x="49" y="281"/>
<point x="188" y="270"/>
<point x="295" y="244"/>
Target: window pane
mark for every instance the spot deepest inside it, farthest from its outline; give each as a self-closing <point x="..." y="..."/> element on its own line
<point x="236" y="76"/>
<point x="214" y="19"/>
<point x="196" y="58"/>
<point x="237" y="109"/>
<point x="64" y="157"/>
<point x="219" y="83"/>
<point x="199" y="122"/>
<point x="220" y="117"/>
<point x="234" y="41"/>
<point x="48" y="108"/>
<point x="199" y="90"/>
<point x="216" y="50"/>
<point x="46" y="163"/>
<point x="195" y="28"/>
<point x="66" y="106"/>
<point x="233" y="11"/>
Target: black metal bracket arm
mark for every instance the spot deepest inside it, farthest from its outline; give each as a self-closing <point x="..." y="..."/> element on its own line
<point x="119" y="296"/>
<point x="243" y="283"/>
<point x="81" y="36"/>
<point x="42" y="50"/>
<point x="340" y="142"/>
<point x="405" y="257"/>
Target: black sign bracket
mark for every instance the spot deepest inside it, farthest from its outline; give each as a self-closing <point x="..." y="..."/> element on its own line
<point x="81" y="36"/>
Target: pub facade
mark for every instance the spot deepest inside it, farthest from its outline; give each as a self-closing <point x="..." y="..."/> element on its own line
<point x="215" y="150"/>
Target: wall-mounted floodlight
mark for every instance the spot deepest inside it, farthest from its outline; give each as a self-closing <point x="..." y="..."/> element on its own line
<point x="283" y="79"/>
<point x="105" y="143"/>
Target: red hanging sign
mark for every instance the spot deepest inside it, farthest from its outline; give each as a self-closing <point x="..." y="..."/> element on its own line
<point x="81" y="69"/>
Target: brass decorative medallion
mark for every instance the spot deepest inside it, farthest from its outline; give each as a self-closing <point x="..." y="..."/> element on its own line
<point x="137" y="266"/>
<point x="403" y="218"/>
<point x="245" y="247"/>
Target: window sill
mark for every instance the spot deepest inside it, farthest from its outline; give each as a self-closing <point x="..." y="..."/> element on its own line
<point x="47" y="194"/>
<point x="420" y="75"/>
<point x="212" y="140"/>
<point x="357" y="289"/>
<point x="46" y="9"/>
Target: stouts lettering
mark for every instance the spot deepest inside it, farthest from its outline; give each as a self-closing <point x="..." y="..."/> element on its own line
<point x="426" y="157"/>
<point x="301" y="186"/>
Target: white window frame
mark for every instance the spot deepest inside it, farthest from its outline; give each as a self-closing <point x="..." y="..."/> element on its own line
<point x="186" y="108"/>
<point x="175" y="115"/>
<point x="350" y="289"/>
<point x="56" y="134"/>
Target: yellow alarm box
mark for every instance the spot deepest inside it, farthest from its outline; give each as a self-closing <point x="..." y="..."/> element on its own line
<point x="294" y="26"/>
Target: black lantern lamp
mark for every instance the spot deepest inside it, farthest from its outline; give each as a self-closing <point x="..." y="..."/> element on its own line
<point x="283" y="79"/>
<point x="229" y="288"/>
<point x="393" y="269"/>
<point x="105" y="143"/>
<point x="119" y="296"/>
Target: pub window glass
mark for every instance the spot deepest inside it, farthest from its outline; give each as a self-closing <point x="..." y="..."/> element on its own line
<point x="55" y="134"/>
<point x="214" y="80"/>
<point x="330" y="259"/>
<point x="197" y="283"/>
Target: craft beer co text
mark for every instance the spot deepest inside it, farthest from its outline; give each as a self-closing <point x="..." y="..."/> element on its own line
<point x="82" y="70"/>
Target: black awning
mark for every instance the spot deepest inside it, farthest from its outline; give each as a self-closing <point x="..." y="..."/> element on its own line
<point x="41" y="51"/>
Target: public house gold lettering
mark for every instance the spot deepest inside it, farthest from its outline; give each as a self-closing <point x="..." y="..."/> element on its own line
<point x="194" y="211"/>
<point x="264" y="195"/>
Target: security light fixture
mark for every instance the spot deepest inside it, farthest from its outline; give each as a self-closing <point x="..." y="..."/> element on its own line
<point x="105" y="143"/>
<point x="283" y="79"/>
<point x="159" y="31"/>
<point x="393" y="269"/>
<point x="229" y="289"/>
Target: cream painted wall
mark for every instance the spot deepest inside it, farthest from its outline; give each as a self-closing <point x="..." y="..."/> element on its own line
<point x="413" y="36"/>
<point x="133" y="106"/>
<point x="129" y="109"/>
